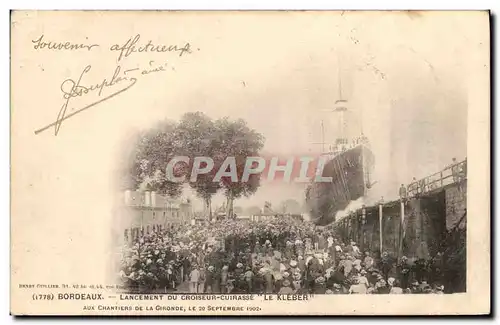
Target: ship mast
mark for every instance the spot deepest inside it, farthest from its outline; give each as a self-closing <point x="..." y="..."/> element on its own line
<point x="340" y="107"/>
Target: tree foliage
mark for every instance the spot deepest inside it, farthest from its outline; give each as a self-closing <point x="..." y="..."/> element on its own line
<point x="236" y="139"/>
<point x="195" y="135"/>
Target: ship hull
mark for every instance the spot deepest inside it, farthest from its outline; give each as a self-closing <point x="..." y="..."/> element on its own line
<point x="350" y="172"/>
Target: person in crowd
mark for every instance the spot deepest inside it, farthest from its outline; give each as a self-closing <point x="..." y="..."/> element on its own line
<point x="414" y="287"/>
<point x="224" y="277"/>
<point x="285" y="288"/>
<point x="209" y="279"/>
<point x="395" y="287"/>
<point x="359" y="286"/>
<point x="201" y="280"/>
<point x="404" y="272"/>
<point x="194" y="278"/>
<point x="276" y="256"/>
<point x="402" y="192"/>
<point x="249" y="278"/>
<point x="385" y="265"/>
<point x="355" y="250"/>
<point x="368" y="261"/>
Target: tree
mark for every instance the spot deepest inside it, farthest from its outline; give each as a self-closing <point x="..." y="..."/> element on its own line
<point x="196" y="135"/>
<point x="152" y="151"/>
<point x="193" y="137"/>
<point x="236" y="140"/>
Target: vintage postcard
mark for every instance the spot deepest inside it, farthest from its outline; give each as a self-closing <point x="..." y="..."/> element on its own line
<point x="250" y="163"/>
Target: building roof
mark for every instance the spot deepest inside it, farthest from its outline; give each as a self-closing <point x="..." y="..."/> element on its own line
<point x="138" y="199"/>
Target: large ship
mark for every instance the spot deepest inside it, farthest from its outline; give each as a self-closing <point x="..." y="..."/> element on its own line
<point x="350" y="163"/>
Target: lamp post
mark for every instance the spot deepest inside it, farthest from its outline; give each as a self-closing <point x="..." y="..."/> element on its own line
<point x="363" y="217"/>
<point x="380" y="215"/>
<point x="401" y="227"/>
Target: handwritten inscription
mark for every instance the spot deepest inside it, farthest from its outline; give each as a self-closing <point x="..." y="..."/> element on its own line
<point x="130" y="47"/>
<point x="40" y="44"/>
<point x="120" y="81"/>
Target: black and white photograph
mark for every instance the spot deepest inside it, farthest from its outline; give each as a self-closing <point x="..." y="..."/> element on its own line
<point x="250" y="162"/>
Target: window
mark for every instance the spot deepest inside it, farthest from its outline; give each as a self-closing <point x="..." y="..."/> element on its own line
<point x="164" y="214"/>
<point x="154" y="214"/>
<point x="125" y="234"/>
<point x="147" y="230"/>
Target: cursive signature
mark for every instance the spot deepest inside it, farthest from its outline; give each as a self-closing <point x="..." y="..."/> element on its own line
<point x="72" y="89"/>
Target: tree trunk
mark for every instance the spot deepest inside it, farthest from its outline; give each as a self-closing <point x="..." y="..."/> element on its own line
<point x="208" y="208"/>
<point x="230" y="205"/>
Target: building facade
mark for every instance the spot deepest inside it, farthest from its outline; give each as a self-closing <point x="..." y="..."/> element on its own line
<point x="146" y="212"/>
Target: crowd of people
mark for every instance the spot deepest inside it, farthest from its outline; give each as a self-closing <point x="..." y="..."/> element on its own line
<point x="282" y="255"/>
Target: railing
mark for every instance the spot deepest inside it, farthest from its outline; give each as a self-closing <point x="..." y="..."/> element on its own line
<point x="452" y="174"/>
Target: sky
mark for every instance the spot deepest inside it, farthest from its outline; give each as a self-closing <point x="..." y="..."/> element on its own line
<point x="403" y="85"/>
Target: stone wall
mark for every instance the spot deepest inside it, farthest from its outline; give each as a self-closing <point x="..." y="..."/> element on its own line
<point x="456" y="204"/>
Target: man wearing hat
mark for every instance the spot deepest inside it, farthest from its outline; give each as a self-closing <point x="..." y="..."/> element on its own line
<point x="414" y="287"/>
<point x="201" y="281"/>
<point x="386" y="264"/>
<point x="404" y="271"/>
<point x="224" y="277"/>
<point x="268" y="280"/>
<point x="209" y="278"/>
<point x="362" y="279"/>
<point x="249" y="279"/>
<point x="194" y="277"/>
<point x="285" y="287"/>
